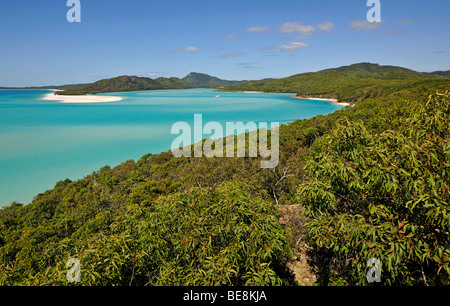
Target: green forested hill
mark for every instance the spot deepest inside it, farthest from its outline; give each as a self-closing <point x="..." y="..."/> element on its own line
<point x="205" y="80"/>
<point x="134" y="83"/>
<point x="349" y="83"/>
<point x="124" y="83"/>
<point x="442" y="73"/>
<point x="375" y="68"/>
<point x="372" y="181"/>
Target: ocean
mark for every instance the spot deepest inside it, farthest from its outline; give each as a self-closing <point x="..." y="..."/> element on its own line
<point x="43" y="142"/>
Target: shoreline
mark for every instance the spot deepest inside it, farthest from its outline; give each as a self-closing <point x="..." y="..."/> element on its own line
<point x="330" y="100"/>
<point x="80" y="99"/>
<point x="333" y="101"/>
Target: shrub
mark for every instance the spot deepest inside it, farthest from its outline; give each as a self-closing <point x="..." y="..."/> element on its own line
<point x="384" y="196"/>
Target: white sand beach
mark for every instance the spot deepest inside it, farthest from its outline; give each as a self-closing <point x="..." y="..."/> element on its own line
<point x="80" y="99"/>
<point x="334" y="101"/>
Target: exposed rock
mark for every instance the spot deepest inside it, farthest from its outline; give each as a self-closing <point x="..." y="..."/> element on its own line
<point x="302" y="270"/>
<point x="290" y="217"/>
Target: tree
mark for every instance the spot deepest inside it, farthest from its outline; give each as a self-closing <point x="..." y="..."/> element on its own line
<point x="384" y="196"/>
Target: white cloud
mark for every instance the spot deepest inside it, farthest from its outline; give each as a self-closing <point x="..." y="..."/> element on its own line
<point x="300" y="30"/>
<point x="303" y="31"/>
<point x="155" y="74"/>
<point x="191" y="49"/>
<point x="290" y="27"/>
<point x="188" y="49"/>
<point x="235" y="54"/>
<point x="249" y="65"/>
<point x="293" y="47"/>
<point x="326" y="26"/>
<point x="267" y="49"/>
<point x="364" y="25"/>
<point x="404" y="21"/>
<point x="257" y="29"/>
<point x="231" y="37"/>
<point x="395" y="32"/>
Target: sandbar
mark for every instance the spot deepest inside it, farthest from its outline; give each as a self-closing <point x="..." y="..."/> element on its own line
<point x="80" y="99"/>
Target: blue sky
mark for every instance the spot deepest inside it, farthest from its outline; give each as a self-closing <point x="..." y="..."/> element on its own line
<point x="234" y="39"/>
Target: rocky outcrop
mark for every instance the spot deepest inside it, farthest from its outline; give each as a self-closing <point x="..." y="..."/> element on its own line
<point x="298" y="265"/>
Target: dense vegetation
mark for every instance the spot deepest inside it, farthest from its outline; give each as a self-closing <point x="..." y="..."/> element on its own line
<point x="124" y="83"/>
<point x="349" y="83"/>
<point x="442" y="73"/>
<point x="205" y="80"/>
<point x="372" y="180"/>
<point x="384" y="195"/>
<point x="134" y="83"/>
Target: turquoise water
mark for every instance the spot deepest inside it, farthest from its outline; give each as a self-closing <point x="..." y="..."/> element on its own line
<point x="42" y="142"/>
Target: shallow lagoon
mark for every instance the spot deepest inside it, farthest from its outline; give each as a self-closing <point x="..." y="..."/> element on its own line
<point x="42" y="142"/>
